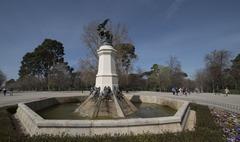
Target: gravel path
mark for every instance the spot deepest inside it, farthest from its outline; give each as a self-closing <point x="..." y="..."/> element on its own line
<point x="231" y="102"/>
<point x="29" y="96"/>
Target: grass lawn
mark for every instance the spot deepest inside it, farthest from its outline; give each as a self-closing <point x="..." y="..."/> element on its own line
<point x="206" y="131"/>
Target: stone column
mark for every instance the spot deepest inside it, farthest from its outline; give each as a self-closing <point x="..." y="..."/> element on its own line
<point x="106" y="75"/>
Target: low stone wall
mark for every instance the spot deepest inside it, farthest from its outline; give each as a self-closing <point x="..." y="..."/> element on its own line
<point x="46" y="103"/>
<point x="36" y="125"/>
<point x="42" y="104"/>
<point x="173" y="103"/>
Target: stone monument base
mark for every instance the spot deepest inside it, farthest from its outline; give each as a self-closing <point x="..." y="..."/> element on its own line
<point x="100" y="107"/>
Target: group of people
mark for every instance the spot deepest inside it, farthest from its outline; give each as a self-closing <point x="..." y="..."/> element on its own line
<point x="183" y="91"/>
<point x="5" y="92"/>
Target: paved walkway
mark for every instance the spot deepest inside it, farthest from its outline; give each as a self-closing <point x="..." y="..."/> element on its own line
<point x="29" y="96"/>
<point x="232" y="102"/>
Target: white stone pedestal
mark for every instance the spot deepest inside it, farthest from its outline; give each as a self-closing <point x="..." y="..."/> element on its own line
<point x="106" y="75"/>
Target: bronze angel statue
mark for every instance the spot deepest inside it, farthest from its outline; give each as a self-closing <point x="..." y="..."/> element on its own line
<point x="105" y="35"/>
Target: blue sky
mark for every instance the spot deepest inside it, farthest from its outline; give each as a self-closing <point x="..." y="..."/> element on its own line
<point x="187" y="29"/>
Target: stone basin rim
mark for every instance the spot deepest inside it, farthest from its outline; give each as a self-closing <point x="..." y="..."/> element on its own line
<point x="41" y="122"/>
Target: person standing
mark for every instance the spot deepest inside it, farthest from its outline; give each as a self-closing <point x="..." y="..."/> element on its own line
<point x="11" y="91"/>
<point x="177" y="91"/>
<point x="217" y="91"/>
<point x="184" y="91"/>
<point x="227" y="91"/>
<point x="4" y="91"/>
<point x="173" y="91"/>
<point x="180" y="90"/>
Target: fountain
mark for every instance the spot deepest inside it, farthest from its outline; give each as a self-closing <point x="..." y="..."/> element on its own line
<point x="106" y="110"/>
<point x="105" y="99"/>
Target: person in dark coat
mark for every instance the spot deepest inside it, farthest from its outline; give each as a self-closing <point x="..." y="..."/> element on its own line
<point x="4" y="91"/>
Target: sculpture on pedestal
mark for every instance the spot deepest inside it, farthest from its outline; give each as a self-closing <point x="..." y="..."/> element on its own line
<point x="105" y="99"/>
<point x="105" y="35"/>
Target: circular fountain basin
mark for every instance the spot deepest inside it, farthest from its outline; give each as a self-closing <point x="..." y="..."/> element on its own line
<point x="55" y="116"/>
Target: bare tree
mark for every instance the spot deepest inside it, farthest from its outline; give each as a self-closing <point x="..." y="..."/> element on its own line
<point x="90" y="38"/>
<point x="202" y="80"/>
<point x="177" y="75"/>
<point x="174" y="64"/>
<point x="235" y="71"/>
<point x="2" y="78"/>
<point x="216" y="62"/>
<point x="88" y="72"/>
